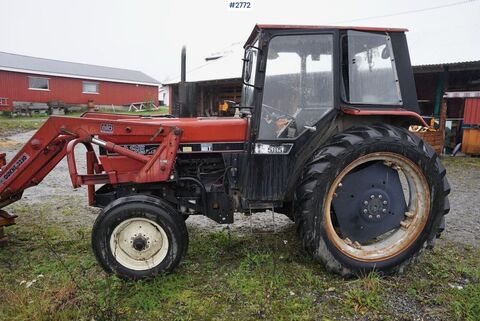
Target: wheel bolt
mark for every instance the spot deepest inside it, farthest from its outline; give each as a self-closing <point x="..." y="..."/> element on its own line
<point x="365" y="211"/>
<point x="370" y="216"/>
<point x="365" y="203"/>
<point x="385" y="202"/>
<point x="378" y="216"/>
<point x="380" y="196"/>
<point x="340" y="185"/>
<point x="384" y="210"/>
<point x="372" y="196"/>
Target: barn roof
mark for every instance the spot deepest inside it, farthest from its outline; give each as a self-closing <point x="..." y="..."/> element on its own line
<point x="50" y="67"/>
<point x="451" y="66"/>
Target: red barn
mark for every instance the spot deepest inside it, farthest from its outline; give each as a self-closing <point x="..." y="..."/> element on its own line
<point x="38" y="80"/>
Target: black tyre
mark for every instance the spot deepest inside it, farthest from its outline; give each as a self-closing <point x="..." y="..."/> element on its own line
<point x="371" y="199"/>
<point x="138" y="237"/>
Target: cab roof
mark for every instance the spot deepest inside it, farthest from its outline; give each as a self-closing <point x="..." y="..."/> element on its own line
<point x="258" y="27"/>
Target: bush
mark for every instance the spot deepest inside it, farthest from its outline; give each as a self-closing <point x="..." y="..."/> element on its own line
<point x="6" y="113"/>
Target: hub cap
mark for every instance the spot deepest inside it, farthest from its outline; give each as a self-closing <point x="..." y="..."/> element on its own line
<point x="139" y="244"/>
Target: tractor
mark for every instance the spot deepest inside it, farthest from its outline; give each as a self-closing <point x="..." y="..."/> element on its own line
<point x="321" y="135"/>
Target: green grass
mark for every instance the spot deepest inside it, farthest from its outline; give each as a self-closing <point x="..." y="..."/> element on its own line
<point x="223" y="277"/>
<point x="12" y="125"/>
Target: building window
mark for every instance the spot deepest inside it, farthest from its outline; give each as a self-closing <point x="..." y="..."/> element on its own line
<point x="38" y="83"/>
<point x="90" y="87"/>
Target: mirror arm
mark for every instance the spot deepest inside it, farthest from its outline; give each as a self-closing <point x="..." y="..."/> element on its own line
<point x="250" y="85"/>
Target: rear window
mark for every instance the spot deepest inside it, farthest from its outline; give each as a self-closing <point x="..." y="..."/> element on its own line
<point x="368" y="69"/>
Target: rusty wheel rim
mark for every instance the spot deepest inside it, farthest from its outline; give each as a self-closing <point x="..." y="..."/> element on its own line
<point x="411" y="226"/>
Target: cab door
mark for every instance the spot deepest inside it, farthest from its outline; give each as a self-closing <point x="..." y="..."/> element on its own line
<point x="298" y="92"/>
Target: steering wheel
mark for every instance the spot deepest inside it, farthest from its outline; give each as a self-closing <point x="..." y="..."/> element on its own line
<point x="278" y="119"/>
<point x="276" y="113"/>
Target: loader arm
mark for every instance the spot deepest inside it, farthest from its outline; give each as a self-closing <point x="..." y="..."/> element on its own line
<point x="58" y="137"/>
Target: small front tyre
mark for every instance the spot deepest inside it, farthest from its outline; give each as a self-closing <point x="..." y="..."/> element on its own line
<point x="138" y="237"/>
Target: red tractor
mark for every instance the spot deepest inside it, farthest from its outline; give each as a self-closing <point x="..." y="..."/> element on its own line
<point x="320" y="135"/>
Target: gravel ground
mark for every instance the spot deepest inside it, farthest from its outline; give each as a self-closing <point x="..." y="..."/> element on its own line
<point x="463" y="222"/>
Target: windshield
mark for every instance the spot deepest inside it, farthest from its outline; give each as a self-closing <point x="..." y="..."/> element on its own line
<point x="298" y="88"/>
<point x="368" y="69"/>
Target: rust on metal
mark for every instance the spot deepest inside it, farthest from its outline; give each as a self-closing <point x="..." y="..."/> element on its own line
<point x="384" y="112"/>
<point x="402" y="238"/>
<point x="3" y="160"/>
<point x="409" y="214"/>
<point x="6" y="219"/>
<point x="405" y="224"/>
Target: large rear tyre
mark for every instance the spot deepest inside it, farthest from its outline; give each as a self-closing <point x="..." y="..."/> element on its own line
<point x="371" y="199"/>
<point x="138" y="237"/>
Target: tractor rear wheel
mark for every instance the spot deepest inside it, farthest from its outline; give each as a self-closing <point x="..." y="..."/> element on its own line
<point x="371" y="199"/>
<point x="138" y="237"/>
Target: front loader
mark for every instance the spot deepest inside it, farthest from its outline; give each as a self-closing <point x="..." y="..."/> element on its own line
<point x="321" y="135"/>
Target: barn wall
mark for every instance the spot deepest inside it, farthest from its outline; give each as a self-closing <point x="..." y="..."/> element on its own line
<point x="14" y="86"/>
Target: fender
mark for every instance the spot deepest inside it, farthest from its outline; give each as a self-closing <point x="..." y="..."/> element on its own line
<point x="385" y="112"/>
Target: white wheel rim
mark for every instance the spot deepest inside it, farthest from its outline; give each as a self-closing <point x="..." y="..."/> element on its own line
<point x="139" y="244"/>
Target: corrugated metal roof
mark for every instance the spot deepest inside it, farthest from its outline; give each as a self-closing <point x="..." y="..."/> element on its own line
<point x="33" y="65"/>
<point x="229" y="66"/>
<point x="452" y="66"/>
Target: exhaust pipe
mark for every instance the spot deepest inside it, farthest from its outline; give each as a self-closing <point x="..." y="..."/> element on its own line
<point x="183" y="65"/>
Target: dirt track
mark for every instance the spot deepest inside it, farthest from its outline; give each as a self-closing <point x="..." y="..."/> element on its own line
<point x="463" y="222"/>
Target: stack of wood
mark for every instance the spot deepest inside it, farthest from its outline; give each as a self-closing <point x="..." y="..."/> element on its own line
<point x="434" y="137"/>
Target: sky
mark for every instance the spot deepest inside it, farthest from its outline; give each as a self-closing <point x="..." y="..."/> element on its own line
<point x="148" y="35"/>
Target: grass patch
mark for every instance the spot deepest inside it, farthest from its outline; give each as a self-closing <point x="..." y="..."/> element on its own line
<point x="13" y="125"/>
<point x="47" y="272"/>
<point x="10" y="125"/>
<point x="461" y="162"/>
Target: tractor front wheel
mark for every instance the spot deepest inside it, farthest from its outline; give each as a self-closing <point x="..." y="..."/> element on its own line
<point x="371" y="199"/>
<point x="138" y="237"/>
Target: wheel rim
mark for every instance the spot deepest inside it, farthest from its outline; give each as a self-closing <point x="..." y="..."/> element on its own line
<point x="412" y="224"/>
<point x="139" y="244"/>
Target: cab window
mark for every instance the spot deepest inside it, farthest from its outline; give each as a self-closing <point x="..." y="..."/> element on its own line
<point x="298" y="89"/>
<point x="368" y="69"/>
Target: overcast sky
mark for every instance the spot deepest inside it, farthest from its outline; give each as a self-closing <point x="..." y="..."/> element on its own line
<point x="147" y="35"/>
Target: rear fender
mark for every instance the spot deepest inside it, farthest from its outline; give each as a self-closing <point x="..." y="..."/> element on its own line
<point x="398" y="116"/>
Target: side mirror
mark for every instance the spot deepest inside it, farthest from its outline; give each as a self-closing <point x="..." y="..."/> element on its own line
<point x="248" y="61"/>
<point x="249" y="65"/>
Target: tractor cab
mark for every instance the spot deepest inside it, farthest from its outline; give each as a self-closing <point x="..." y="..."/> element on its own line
<point x="294" y="76"/>
<point x="301" y="84"/>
